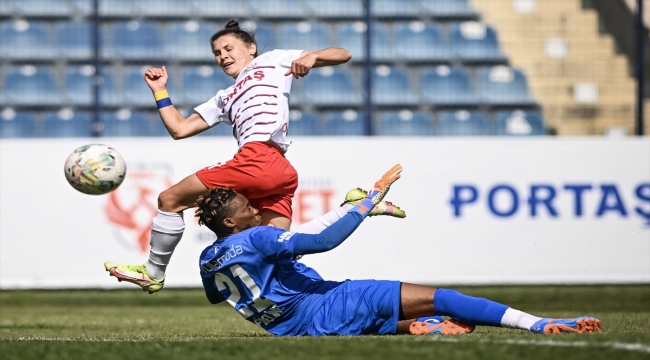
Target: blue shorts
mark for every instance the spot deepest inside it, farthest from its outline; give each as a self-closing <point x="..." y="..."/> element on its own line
<point x="358" y="307"/>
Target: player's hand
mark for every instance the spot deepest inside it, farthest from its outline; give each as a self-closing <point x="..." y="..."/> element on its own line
<point x="156" y="78"/>
<point x="381" y="187"/>
<point x="301" y="66"/>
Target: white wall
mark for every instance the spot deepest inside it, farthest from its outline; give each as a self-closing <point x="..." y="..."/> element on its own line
<point x="53" y="236"/>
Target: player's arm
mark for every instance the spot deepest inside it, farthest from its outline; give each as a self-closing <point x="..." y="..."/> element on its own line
<point x="213" y="295"/>
<point x="177" y="125"/>
<point x="318" y="58"/>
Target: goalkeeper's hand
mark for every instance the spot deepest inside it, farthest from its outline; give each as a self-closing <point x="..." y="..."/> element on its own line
<point x="378" y="191"/>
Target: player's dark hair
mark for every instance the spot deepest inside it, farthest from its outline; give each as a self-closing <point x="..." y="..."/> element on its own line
<point x="214" y="207"/>
<point x="232" y="27"/>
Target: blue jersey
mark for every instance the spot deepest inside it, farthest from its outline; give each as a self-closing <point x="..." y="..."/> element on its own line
<point x="255" y="272"/>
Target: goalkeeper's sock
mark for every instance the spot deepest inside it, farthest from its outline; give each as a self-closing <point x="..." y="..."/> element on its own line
<point x="317" y="225"/>
<point x="480" y="311"/>
<point x="166" y="232"/>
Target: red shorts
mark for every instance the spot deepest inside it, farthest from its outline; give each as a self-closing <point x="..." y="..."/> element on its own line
<point x="261" y="173"/>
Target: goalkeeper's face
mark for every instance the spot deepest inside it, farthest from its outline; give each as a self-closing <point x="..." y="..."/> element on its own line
<point x="244" y="216"/>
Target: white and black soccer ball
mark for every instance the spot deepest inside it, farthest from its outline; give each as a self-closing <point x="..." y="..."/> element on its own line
<point x="95" y="169"/>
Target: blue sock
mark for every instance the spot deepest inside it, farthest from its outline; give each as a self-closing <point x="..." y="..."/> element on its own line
<point x="468" y="309"/>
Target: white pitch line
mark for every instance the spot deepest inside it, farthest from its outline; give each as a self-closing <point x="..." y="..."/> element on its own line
<point x="553" y="343"/>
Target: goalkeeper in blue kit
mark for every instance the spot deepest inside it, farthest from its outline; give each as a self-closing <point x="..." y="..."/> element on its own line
<point x="253" y="268"/>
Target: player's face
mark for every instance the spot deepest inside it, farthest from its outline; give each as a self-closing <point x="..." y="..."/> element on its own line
<point x="245" y="215"/>
<point x="232" y="54"/>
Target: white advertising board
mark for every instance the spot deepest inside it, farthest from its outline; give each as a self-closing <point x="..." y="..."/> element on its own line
<point x="480" y="211"/>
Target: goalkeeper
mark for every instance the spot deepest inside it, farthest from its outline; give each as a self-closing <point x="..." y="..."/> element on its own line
<point x="252" y="267"/>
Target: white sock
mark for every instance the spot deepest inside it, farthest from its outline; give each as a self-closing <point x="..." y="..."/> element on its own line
<point x="516" y="319"/>
<point x="317" y="225"/>
<point x="166" y="232"/>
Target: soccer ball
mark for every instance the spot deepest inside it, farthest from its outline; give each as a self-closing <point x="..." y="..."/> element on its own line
<point x="95" y="169"/>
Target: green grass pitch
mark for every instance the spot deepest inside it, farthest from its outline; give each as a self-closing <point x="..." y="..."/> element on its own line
<point x="181" y="324"/>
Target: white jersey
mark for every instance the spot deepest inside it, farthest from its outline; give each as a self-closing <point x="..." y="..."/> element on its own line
<point x="257" y="104"/>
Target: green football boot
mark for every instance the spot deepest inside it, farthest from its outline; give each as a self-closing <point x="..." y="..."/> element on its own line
<point x="354" y="196"/>
<point x="136" y="274"/>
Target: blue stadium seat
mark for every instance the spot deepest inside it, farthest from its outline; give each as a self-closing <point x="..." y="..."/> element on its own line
<point x="67" y="123"/>
<point x="136" y="90"/>
<point x="475" y="41"/>
<point x="264" y="37"/>
<point x="502" y="85"/>
<point x="351" y="36"/>
<point x="16" y="124"/>
<point x="304" y="123"/>
<point x="83" y="7"/>
<point x="137" y="40"/>
<point x="125" y="123"/>
<point x="418" y="40"/>
<point x="31" y="85"/>
<point x="74" y="40"/>
<point x="203" y="82"/>
<point x="345" y="123"/>
<point x="444" y="85"/>
<point x="110" y="94"/>
<point x="278" y="8"/>
<point x="227" y="9"/>
<point x="392" y="86"/>
<point x="519" y="123"/>
<point x="393" y="8"/>
<point x="448" y="8"/>
<point x="330" y="86"/>
<point x="304" y="36"/>
<point x="336" y="8"/>
<point x="22" y="39"/>
<point x="462" y="123"/>
<point x="189" y="40"/>
<point x="78" y="85"/>
<point x="7" y="8"/>
<point x="108" y="8"/>
<point x="43" y="8"/>
<point x="165" y="8"/>
<point x="404" y="123"/>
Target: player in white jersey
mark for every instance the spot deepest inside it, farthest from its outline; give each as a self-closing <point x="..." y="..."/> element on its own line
<point x="257" y="108"/>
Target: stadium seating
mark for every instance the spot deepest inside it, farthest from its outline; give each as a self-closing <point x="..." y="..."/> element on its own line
<point x="110" y="94"/>
<point x="125" y="123"/>
<point x="420" y="41"/>
<point x="189" y="40"/>
<point x="345" y="123"/>
<point x="31" y="85"/>
<point x="74" y="40"/>
<point x="42" y="8"/>
<point x="136" y="90"/>
<point x="22" y="39"/>
<point x="203" y="82"/>
<point x="7" y="8"/>
<point x="110" y="8"/>
<point x="394" y="8"/>
<point x="392" y="86"/>
<point x="330" y="86"/>
<point x="135" y="40"/>
<point x="462" y="123"/>
<point x="278" y="8"/>
<point x="336" y="8"/>
<point x="165" y="8"/>
<point x="473" y="41"/>
<point x="304" y="36"/>
<point x="502" y="85"/>
<point x="404" y="123"/>
<point x="78" y="85"/>
<point x="16" y="124"/>
<point x="519" y="123"/>
<point x="447" y="86"/>
<point x="351" y="36"/>
<point x="66" y="123"/>
<point x="304" y="123"/>
<point x="227" y="9"/>
<point x="264" y="37"/>
<point x="448" y="8"/>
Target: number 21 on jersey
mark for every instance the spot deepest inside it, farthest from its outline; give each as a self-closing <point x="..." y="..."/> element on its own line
<point x="245" y="301"/>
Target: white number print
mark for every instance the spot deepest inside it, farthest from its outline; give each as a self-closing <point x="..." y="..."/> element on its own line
<point x="222" y="280"/>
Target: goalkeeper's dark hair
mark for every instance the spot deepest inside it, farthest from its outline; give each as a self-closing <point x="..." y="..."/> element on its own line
<point x="213" y="208"/>
<point x="232" y="27"/>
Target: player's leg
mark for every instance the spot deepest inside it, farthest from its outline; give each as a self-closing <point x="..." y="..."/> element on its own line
<point x="421" y="301"/>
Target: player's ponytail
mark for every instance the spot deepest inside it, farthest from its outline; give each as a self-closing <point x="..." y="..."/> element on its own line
<point x="214" y="207"/>
<point x="232" y="27"/>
